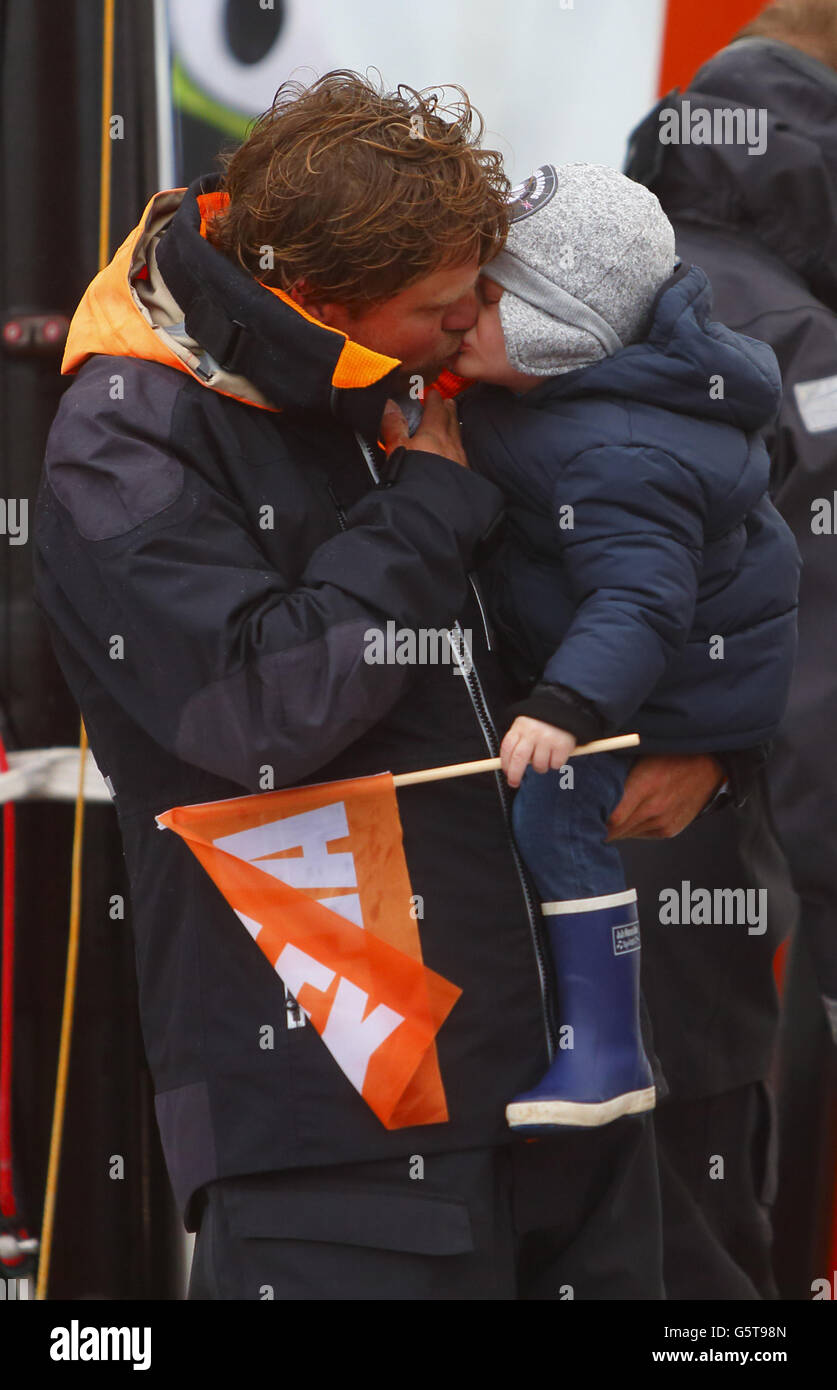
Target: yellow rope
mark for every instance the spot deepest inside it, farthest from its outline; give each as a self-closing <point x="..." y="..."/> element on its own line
<point x="106" y="145"/>
<point x="60" y="1104"/>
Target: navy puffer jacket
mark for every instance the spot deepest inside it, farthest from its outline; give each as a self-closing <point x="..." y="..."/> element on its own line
<point x="640" y="531"/>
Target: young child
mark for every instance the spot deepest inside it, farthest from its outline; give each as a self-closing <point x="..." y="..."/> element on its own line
<point x="646" y="581"/>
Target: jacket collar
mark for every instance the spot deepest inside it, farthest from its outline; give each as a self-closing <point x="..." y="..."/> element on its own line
<point x="258" y="333"/>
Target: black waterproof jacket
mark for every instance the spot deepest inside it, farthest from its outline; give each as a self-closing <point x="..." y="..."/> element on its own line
<point x="764" y="228"/>
<point x="211" y="548"/>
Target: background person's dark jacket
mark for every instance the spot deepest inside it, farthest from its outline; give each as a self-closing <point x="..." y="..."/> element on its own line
<point x="642" y="558"/>
<point x="764" y="227"/>
<point x="242" y="553"/>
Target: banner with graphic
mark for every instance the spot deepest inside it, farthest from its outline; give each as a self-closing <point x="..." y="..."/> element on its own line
<point x="318" y="877"/>
<point x="569" y="83"/>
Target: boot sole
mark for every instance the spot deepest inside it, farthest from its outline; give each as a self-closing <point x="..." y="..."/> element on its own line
<point x="571" y="1112"/>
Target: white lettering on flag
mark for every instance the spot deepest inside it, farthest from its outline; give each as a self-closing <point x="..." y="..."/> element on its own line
<point x="297" y="968"/>
<point x="311" y="832"/>
<point x="350" y="1038"/>
<point x="250" y="923"/>
<point x="348" y="906"/>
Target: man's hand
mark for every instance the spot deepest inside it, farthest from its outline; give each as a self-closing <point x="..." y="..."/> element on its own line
<point x="438" y="432"/>
<point x="663" y="794"/>
<point x="533" y="741"/>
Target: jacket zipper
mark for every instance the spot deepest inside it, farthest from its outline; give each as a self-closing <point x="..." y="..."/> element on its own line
<point x="478" y="597"/>
<point x="341" y="515"/>
<point x="489" y="733"/>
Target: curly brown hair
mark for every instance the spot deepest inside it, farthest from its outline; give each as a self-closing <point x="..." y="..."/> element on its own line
<point x="361" y="192"/>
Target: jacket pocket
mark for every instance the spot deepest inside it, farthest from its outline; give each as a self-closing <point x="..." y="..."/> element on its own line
<point x="418" y="1224"/>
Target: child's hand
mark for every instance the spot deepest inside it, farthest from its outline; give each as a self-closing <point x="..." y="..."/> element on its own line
<point x="533" y="741"/>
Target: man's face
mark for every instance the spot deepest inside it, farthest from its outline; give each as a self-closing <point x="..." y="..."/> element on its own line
<point x="423" y="325"/>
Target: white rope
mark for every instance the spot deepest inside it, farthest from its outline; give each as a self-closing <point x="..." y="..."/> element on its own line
<point x="50" y="774"/>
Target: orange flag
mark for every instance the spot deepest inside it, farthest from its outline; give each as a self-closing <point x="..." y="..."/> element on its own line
<point x="318" y="877"/>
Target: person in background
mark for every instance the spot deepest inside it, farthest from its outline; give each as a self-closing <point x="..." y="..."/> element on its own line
<point x="758" y="211"/>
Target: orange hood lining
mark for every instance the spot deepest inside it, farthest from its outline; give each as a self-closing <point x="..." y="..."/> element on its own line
<point x="356" y="366"/>
<point x="109" y="321"/>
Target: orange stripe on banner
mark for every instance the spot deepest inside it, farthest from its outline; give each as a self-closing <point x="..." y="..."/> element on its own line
<point x="694" y="32"/>
<point x="354" y="982"/>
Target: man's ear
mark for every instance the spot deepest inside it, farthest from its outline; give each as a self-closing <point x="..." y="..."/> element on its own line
<point x="301" y="295"/>
<point x="334" y="316"/>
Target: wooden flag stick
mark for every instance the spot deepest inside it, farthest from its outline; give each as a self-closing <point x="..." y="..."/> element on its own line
<point x="436" y="774"/>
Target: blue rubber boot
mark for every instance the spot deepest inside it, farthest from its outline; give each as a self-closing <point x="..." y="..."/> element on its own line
<point x="600" y="1070"/>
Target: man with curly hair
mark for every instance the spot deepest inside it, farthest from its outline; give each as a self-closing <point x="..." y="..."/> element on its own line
<point x="215" y="494"/>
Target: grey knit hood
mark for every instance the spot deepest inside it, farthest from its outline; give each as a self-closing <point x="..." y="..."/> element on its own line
<point x="586" y="253"/>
